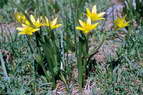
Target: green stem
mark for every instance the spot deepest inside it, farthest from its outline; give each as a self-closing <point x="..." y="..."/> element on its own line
<point x="3" y="67"/>
<point x="82" y="61"/>
<point x="96" y="50"/>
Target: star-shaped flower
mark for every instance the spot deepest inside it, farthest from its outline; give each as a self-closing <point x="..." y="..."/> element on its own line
<point x="87" y="26"/>
<point x="27" y="30"/>
<point x="121" y="23"/>
<point x="52" y="24"/>
<point x="93" y="15"/>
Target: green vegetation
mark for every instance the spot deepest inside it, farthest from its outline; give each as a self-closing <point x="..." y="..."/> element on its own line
<point x="52" y="48"/>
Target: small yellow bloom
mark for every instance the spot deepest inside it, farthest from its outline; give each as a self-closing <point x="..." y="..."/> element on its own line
<point x="87" y="26"/>
<point x="37" y="23"/>
<point x="26" y="30"/>
<point x="121" y="23"/>
<point x="21" y="18"/>
<point x="93" y="15"/>
<point x="52" y="24"/>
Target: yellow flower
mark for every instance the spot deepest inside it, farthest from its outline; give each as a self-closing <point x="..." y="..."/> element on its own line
<point x="86" y="27"/>
<point x="121" y="23"/>
<point x="21" y="18"/>
<point x="27" y="30"/>
<point x="93" y="15"/>
<point x="52" y="24"/>
<point x="36" y="23"/>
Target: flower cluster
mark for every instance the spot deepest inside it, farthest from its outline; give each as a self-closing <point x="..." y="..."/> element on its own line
<point x="31" y="25"/>
<point x="87" y="27"/>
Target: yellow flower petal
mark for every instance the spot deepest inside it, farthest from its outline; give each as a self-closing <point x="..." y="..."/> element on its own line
<point x="81" y="23"/>
<point x="47" y="23"/>
<point x="89" y="21"/>
<point x="25" y="33"/>
<point x="32" y="18"/>
<point x="101" y="14"/>
<point x="58" y="25"/>
<point x="19" y="28"/>
<point x="54" y="21"/>
<point x="88" y="12"/>
<point x="79" y="28"/>
<point x="85" y="32"/>
<point x="94" y="10"/>
<point x="95" y="25"/>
